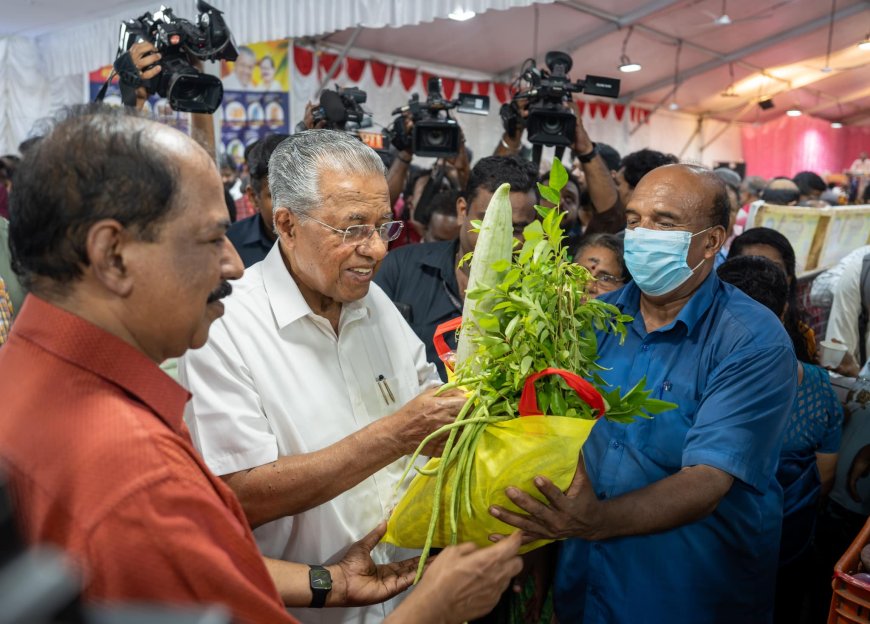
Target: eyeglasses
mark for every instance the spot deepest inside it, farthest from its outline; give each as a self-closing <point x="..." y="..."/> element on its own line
<point x="359" y="234"/>
<point x="607" y="278"/>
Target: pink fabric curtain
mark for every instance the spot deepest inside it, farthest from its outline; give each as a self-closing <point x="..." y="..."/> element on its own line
<point x="787" y="145"/>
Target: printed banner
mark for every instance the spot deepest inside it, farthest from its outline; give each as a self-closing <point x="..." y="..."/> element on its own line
<point x="256" y="96"/>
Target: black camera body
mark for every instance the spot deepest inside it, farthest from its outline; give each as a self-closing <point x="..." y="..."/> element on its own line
<point x="340" y="107"/>
<point x="549" y="122"/>
<point x="186" y="89"/>
<point x="435" y="133"/>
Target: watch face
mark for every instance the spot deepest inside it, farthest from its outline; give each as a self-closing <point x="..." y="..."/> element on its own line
<point x="320" y="579"/>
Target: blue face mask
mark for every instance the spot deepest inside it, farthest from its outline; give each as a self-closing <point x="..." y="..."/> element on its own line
<point x="656" y="259"/>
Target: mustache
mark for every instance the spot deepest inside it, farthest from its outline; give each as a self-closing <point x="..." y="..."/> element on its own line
<point x="224" y="290"/>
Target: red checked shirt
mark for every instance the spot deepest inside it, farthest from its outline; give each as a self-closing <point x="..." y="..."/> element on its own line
<point x="100" y="463"/>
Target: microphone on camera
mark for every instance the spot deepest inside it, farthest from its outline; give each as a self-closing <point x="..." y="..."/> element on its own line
<point x="333" y="107"/>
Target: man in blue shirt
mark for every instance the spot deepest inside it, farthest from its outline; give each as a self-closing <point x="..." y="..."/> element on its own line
<point x="254" y="236"/>
<point x="679" y="514"/>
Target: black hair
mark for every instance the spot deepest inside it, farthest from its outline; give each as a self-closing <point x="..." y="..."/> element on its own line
<point x="759" y="278"/>
<point x="608" y="241"/>
<point x="491" y="172"/>
<point x="808" y="181"/>
<point x="610" y="156"/>
<point x="101" y="164"/>
<point x="795" y="315"/>
<point x="780" y="196"/>
<point x="444" y="203"/>
<point x="258" y="158"/>
<point x="27" y="144"/>
<point x="638" y="164"/>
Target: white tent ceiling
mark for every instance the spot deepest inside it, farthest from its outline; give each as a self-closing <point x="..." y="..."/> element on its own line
<point x="771" y="47"/>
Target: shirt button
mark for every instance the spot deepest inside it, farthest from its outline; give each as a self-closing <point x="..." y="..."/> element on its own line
<point x="645" y="347"/>
<point x="615" y="444"/>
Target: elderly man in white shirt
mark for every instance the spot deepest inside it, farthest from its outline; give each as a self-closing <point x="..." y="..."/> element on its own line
<point x="312" y="387"/>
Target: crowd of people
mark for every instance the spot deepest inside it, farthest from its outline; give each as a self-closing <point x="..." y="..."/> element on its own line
<point x="292" y="307"/>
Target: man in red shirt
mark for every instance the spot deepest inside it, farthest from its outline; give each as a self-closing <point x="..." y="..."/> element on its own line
<point x="118" y="231"/>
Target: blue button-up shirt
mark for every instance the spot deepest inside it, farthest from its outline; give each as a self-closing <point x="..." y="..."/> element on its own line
<point x="729" y="365"/>
<point x="250" y="239"/>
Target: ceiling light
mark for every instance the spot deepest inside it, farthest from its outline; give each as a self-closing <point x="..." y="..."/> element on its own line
<point x="766" y="103"/>
<point x="794" y="111"/>
<point x="836" y="124"/>
<point x="674" y="106"/>
<point x="827" y="70"/>
<point x="627" y="66"/>
<point x="625" y="63"/>
<point x="461" y="15"/>
<point x="865" y="43"/>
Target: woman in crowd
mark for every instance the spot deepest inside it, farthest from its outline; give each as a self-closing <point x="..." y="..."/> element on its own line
<point x="772" y="245"/>
<point x="812" y="439"/>
<point x="602" y="254"/>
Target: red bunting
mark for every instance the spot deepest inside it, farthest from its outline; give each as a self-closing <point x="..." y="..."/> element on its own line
<point x="466" y="86"/>
<point x="593" y="109"/>
<point x="408" y="77"/>
<point x="502" y="92"/>
<point x="355" y="68"/>
<point x="304" y="60"/>
<point x="483" y="88"/>
<point x="581" y="106"/>
<point x="449" y="85"/>
<point x="325" y="63"/>
<point x="379" y="72"/>
<point x="619" y="111"/>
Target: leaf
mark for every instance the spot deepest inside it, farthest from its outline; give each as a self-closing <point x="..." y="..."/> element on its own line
<point x="512" y="276"/>
<point x="558" y="176"/>
<point x="500" y="265"/>
<point x="526" y="365"/>
<point x="551" y="195"/>
<point x="533" y="231"/>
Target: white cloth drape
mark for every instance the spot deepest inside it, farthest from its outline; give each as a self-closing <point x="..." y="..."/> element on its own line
<point x="28" y="94"/>
<point x="92" y="45"/>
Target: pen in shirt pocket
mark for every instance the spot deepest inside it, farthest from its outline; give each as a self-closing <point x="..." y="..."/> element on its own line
<point x="665" y="387"/>
<point x="386" y="391"/>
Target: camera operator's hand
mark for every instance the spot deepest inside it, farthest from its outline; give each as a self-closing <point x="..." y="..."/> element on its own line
<point x="308" y="118"/>
<point x="458" y="168"/>
<point x="146" y="58"/>
<point x="582" y="142"/>
<point x="512" y="142"/>
<point x="398" y="171"/>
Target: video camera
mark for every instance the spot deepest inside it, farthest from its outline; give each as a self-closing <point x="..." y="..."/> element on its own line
<point x="549" y="122"/>
<point x="187" y="89"/>
<point x="341" y="106"/>
<point x="435" y="133"/>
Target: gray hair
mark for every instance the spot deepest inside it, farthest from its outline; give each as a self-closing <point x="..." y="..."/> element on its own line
<point x="298" y="162"/>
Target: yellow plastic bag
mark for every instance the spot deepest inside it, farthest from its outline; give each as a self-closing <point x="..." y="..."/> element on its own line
<point x="510" y="453"/>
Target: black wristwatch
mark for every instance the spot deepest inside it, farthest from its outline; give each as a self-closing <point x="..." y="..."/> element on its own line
<point x="321" y="584"/>
<point x="587" y="158"/>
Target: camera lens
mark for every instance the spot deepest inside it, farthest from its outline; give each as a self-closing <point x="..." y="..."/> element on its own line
<point x="435" y="138"/>
<point x="551" y="125"/>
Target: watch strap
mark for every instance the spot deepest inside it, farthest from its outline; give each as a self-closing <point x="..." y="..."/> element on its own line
<point x="586" y="158"/>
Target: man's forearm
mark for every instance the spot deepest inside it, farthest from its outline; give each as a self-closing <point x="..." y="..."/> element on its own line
<point x="296" y="483"/>
<point x="602" y="189"/>
<point x="397" y="174"/>
<point x="684" y="497"/>
<point x="202" y="131"/>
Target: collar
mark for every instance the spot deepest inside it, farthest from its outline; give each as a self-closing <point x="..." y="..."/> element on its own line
<point x="286" y="300"/>
<point x="696" y="307"/>
<point x="441" y="256"/>
<point x="86" y="346"/>
<point x="254" y="231"/>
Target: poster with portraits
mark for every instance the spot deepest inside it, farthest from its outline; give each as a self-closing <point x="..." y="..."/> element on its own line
<point x="256" y="96"/>
<point x="155" y="107"/>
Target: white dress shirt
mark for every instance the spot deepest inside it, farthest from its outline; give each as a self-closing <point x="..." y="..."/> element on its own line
<point x="845" y="309"/>
<point x="275" y="380"/>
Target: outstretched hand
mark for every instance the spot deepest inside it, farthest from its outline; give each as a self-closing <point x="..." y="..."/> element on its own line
<point x="357" y="580"/>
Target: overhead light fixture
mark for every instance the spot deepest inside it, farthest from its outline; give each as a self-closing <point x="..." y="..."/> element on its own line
<point x="794" y="111"/>
<point x="674" y="106"/>
<point x="865" y="43"/>
<point x="625" y="64"/>
<point x="461" y="15"/>
<point x="836" y="124"/>
<point x="765" y="103"/>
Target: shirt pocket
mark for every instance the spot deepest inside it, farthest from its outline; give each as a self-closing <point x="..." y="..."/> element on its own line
<point x="665" y="433"/>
